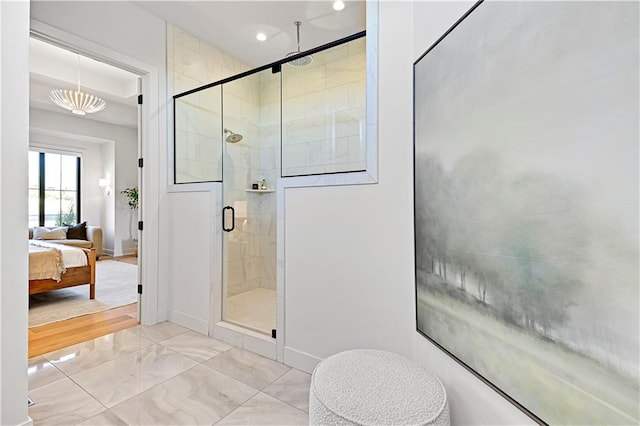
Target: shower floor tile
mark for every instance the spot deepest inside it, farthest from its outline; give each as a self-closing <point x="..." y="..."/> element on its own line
<point x="254" y="309"/>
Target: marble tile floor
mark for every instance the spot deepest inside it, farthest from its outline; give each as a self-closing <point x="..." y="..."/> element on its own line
<point x="164" y="375"/>
<point x="254" y="309"/>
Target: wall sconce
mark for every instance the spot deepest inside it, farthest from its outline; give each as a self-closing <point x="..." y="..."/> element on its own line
<point x="104" y="184"/>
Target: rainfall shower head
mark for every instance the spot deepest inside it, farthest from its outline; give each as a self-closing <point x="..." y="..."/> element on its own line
<point x="299" y="62"/>
<point x="232" y="137"/>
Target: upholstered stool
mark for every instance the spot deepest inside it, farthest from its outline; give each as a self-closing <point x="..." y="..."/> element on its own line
<point x="372" y="387"/>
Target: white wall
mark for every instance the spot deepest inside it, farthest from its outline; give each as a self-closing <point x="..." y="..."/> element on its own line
<point x="190" y="231"/>
<point x="117" y="162"/>
<point x="126" y="176"/>
<point x="14" y="136"/>
<point x="107" y="218"/>
<point x="349" y="250"/>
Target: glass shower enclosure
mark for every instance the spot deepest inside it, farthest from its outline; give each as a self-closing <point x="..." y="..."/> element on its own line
<point x="252" y="130"/>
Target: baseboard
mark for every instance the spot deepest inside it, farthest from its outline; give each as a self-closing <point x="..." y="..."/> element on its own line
<point x="300" y="360"/>
<point x="188" y="321"/>
<point x="108" y="252"/>
<point x="29" y="422"/>
<point x="128" y="252"/>
<point x="265" y="346"/>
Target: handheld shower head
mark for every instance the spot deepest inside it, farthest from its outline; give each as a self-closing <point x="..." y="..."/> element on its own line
<point x="232" y="137"/>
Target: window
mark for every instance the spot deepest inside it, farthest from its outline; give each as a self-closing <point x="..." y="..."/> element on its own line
<point x="54" y="189"/>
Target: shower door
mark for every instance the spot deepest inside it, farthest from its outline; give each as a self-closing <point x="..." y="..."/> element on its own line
<point x="251" y="135"/>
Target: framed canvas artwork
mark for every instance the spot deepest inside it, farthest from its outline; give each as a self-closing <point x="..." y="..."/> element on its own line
<point x="526" y="204"/>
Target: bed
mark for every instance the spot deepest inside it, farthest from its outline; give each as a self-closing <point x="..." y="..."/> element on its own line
<point x="55" y="266"/>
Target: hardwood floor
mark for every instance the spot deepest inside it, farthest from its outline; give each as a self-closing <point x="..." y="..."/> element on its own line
<point x="57" y="335"/>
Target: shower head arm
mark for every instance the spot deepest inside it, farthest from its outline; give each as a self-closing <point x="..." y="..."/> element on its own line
<point x="299" y="61"/>
<point x="297" y="24"/>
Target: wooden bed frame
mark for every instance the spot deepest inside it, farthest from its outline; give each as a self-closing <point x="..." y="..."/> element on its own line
<point x="74" y="276"/>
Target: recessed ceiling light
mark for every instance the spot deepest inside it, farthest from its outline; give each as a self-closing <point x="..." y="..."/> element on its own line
<point x="338" y="5"/>
<point x="261" y="36"/>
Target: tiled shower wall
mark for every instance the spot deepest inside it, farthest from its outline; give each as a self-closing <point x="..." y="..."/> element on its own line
<point x="197" y="127"/>
<point x="193" y="63"/>
<point x="323" y="112"/>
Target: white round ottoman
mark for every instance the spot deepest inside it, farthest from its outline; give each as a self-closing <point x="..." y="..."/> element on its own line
<point x="372" y="387"/>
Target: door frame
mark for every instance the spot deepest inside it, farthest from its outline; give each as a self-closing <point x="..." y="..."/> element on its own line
<point x="150" y="131"/>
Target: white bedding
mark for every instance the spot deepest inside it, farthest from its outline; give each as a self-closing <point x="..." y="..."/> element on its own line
<point x="71" y="256"/>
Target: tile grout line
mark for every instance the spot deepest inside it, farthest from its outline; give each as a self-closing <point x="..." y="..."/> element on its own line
<point x="288" y="403"/>
<point x="81" y="388"/>
<point x="285" y="402"/>
<point x="264" y="393"/>
<point x="238" y="407"/>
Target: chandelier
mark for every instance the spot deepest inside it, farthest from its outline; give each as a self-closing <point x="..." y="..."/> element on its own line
<point x="76" y="101"/>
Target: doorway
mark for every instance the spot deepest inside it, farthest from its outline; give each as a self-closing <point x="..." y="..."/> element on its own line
<point x="108" y="147"/>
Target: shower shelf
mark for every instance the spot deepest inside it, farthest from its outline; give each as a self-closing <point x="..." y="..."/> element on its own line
<point x="260" y="190"/>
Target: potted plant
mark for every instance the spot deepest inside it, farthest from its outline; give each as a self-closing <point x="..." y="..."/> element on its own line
<point x="132" y="196"/>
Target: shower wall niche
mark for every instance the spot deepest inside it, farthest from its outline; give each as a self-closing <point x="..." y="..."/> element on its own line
<point x="292" y="121"/>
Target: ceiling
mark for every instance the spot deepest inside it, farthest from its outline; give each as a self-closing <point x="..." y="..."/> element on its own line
<point x="51" y="67"/>
<point x="229" y="25"/>
<point x="232" y="25"/>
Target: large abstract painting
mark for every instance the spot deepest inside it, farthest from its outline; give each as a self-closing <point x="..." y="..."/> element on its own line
<point x="526" y="204"/>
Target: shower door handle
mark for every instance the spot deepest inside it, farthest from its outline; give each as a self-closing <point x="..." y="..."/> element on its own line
<point x="224" y="219"/>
